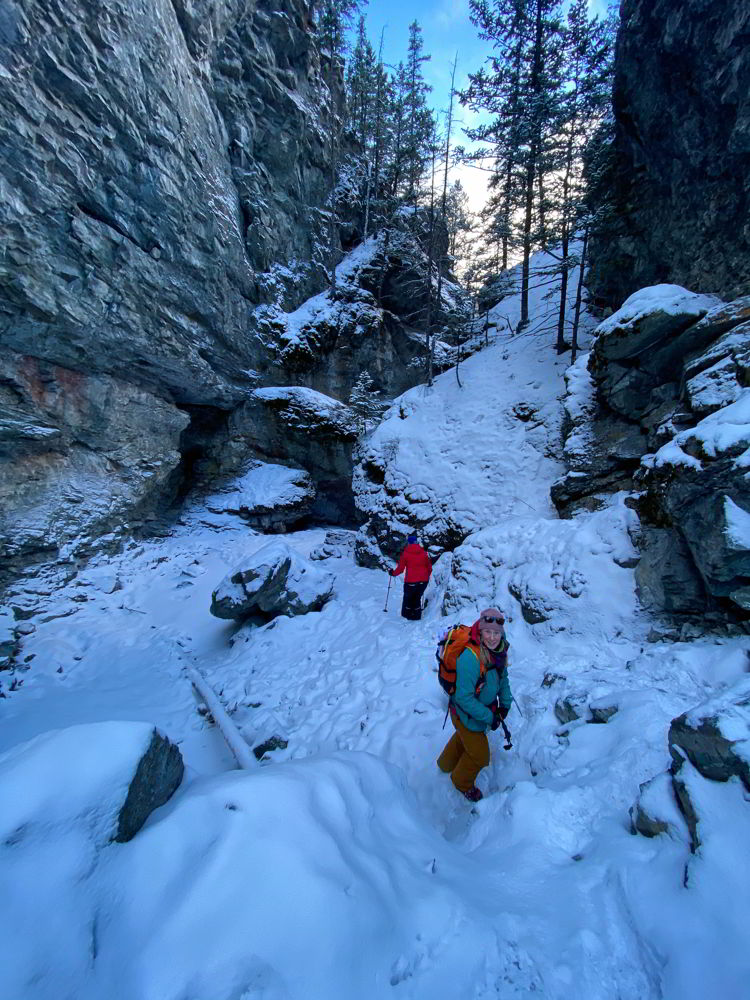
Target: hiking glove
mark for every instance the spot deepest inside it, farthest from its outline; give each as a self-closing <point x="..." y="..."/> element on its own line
<point x="496" y="718"/>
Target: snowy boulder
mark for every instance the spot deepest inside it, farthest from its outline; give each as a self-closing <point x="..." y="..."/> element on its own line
<point x="715" y="736"/>
<point x="568" y="709"/>
<point x="697" y="484"/>
<point x="568" y="567"/>
<point x="336" y="544"/>
<point x="269" y="497"/>
<point x="297" y="426"/>
<point x="275" y="580"/>
<point x="640" y="346"/>
<point x="656" y="810"/>
<point x="602" y="712"/>
<point x="106" y="778"/>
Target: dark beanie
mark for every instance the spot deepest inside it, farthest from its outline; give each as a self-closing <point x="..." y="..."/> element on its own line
<point x="411" y="539"/>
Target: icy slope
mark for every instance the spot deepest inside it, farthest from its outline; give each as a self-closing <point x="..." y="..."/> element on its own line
<point x="453" y="458"/>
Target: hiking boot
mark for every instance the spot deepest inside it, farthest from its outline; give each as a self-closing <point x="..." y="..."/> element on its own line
<point x="473" y="794"/>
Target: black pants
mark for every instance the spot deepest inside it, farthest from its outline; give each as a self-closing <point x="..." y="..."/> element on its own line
<point x="411" y="606"/>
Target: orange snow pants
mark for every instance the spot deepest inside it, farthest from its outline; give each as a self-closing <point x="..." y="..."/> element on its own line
<point x="464" y="755"/>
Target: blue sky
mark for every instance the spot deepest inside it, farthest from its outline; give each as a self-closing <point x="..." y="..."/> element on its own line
<point x="447" y="30"/>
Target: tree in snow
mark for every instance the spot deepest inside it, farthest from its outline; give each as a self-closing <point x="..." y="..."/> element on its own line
<point x="588" y="68"/>
<point x="364" y="401"/>
<point x="520" y="94"/>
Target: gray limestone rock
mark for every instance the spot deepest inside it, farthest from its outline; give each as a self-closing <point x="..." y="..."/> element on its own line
<point x="666" y="576"/>
<point x="275" y="580"/>
<point x="101" y="783"/>
<point x="160" y="159"/>
<point x="336" y="544"/>
<point x="157" y="776"/>
<point x="656" y="810"/>
<point x="106" y="460"/>
<point x="676" y="188"/>
<point x="636" y="349"/>
<point x="568" y="709"/>
<point x="313" y="431"/>
<point x="602" y="713"/>
<point x="269" y="745"/>
<point x="715" y="736"/>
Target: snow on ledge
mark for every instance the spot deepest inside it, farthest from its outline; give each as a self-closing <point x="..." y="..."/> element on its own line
<point x="672" y="300"/>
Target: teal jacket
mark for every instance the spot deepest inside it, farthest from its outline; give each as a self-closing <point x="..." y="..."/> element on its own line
<point x="472" y="711"/>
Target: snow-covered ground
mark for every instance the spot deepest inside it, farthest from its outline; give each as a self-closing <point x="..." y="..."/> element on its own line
<point x="346" y="865"/>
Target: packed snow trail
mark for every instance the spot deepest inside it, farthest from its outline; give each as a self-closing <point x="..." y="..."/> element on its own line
<point x="346" y="864"/>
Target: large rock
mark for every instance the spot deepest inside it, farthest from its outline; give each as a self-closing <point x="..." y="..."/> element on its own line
<point x="715" y="736"/>
<point x="81" y="456"/>
<point x="666" y="575"/>
<point x="269" y="497"/>
<point x="275" y="580"/>
<point x="677" y="199"/>
<point x="656" y="809"/>
<point x="363" y="326"/>
<point x="147" y="192"/>
<point x="304" y="427"/>
<point x="601" y="450"/>
<point x="696" y="485"/>
<point x="636" y="349"/>
<point x="664" y="411"/>
<point x="103" y="779"/>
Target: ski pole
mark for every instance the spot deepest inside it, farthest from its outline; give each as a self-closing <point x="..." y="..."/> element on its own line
<point x="387" y="592"/>
<point x="518" y="707"/>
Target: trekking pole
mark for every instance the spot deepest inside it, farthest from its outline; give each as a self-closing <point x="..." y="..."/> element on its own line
<point x="508" y="744"/>
<point x="387" y="592"/>
<point x="518" y="707"/>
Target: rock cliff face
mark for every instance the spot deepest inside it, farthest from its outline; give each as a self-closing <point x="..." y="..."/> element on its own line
<point x="162" y="188"/>
<point x="677" y="197"/>
<point x="158" y="158"/>
<point x="662" y="412"/>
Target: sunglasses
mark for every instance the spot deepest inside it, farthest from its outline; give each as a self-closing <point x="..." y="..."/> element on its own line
<point x="493" y="621"/>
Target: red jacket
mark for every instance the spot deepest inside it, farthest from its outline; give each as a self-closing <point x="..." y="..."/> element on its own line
<point x="416" y="562"/>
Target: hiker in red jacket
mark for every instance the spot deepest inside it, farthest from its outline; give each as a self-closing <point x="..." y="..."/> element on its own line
<point x="418" y="568"/>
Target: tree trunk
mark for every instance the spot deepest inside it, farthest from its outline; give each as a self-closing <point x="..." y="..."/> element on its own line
<point x="526" y="266"/>
<point x="531" y="167"/>
<point x="561" y="346"/>
<point x="430" y="255"/>
<point x="242" y="753"/>
<point x="444" y="199"/>
<point x="579" y="293"/>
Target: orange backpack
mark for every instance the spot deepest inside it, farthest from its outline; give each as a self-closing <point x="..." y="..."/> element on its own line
<point x="450" y="646"/>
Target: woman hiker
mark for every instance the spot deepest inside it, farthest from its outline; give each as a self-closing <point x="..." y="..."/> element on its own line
<point x="418" y="568"/>
<point x="479" y="703"/>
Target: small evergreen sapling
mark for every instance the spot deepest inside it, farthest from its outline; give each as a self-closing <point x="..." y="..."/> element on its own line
<point x="364" y="401"/>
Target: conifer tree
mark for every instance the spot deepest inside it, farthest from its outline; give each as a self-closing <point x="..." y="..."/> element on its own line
<point x="361" y="87"/>
<point x="521" y="93"/>
<point x="419" y="128"/>
<point x="364" y="401"/>
<point x="588" y="67"/>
